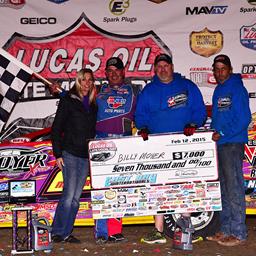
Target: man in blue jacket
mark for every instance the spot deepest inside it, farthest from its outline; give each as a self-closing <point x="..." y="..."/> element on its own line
<point x="231" y="117"/>
<point x="170" y="103"/>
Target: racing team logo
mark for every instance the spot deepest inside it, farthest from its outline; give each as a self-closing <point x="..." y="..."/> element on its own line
<point x="102" y="151"/>
<point x="177" y="100"/>
<point x="115" y="102"/>
<point x="206" y="42"/>
<point x="224" y="102"/>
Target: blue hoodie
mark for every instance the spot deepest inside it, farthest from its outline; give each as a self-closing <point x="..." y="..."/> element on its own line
<point x="231" y="113"/>
<point x="169" y="107"/>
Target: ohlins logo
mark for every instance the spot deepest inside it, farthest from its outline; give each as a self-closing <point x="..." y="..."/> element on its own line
<point x="118" y="7"/>
<point x="20" y="160"/>
<point x="206" y="10"/>
<point x="177" y="100"/>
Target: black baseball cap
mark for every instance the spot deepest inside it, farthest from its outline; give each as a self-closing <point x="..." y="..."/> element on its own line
<point x="115" y="61"/>
<point x="223" y="59"/>
<point x="163" y="57"/>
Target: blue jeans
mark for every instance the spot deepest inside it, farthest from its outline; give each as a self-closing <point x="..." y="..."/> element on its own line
<point x="74" y="175"/>
<point x="232" y="216"/>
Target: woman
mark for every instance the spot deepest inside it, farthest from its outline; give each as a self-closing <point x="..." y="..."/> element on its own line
<point x="73" y="125"/>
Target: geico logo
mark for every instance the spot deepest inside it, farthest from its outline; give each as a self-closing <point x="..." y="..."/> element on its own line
<point x="42" y="20"/>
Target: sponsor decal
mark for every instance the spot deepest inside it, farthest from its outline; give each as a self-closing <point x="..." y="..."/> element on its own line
<point x="110" y="194"/>
<point x="202" y="77"/>
<point x="216" y="9"/>
<point x="118" y="8"/>
<point x="18" y="160"/>
<point x="248" y="36"/>
<point x="249" y="71"/>
<point x="206" y="42"/>
<point x="38" y="20"/>
<point x="250" y="152"/>
<point x="115" y="102"/>
<point x="15" y="4"/>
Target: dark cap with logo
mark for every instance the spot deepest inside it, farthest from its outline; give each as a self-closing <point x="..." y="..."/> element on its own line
<point x="116" y="62"/>
<point x="223" y="59"/>
<point x="163" y="57"/>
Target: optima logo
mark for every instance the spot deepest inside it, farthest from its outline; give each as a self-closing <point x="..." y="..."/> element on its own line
<point x="118" y="7"/>
<point x="206" y="10"/>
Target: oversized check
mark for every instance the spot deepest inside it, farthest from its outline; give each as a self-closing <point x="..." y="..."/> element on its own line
<point x="162" y="159"/>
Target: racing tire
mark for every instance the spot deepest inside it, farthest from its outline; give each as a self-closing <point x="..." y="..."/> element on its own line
<point x="204" y="223"/>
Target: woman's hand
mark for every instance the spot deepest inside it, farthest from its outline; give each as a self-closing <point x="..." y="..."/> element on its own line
<point x="60" y="162"/>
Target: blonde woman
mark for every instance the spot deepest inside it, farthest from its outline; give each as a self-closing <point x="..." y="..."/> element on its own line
<point x="73" y="125"/>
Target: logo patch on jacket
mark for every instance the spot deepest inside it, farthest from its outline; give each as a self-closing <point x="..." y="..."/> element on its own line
<point x="224" y="102"/>
<point x="116" y="102"/>
<point x="177" y="100"/>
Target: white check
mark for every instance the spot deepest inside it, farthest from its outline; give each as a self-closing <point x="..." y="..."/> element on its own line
<point x="162" y="159"/>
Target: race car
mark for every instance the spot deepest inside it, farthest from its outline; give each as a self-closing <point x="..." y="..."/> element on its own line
<point x="29" y="156"/>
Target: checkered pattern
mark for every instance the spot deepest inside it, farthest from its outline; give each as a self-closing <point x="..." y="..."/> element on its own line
<point x="14" y="75"/>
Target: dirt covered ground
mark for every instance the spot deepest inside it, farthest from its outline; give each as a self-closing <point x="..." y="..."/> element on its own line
<point x="133" y="247"/>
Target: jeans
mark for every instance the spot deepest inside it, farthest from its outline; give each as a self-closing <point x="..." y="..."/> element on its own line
<point x="232" y="216"/>
<point x="75" y="171"/>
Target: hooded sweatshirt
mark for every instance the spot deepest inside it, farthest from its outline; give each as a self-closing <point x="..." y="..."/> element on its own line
<point x="169" y="107"/>
<point x="231" y="113"/>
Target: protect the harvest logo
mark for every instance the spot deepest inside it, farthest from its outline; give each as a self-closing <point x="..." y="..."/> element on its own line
<point x="206" y="42"/>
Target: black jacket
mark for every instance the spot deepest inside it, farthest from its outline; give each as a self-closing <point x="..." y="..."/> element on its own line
<point x="72" y="127"/>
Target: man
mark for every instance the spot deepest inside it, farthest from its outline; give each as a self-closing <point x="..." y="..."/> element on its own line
<point x="116" y="106"/>
<point x="231" y="117"/>
<point x="116" y="103"/>
<point x="169" y="103"/>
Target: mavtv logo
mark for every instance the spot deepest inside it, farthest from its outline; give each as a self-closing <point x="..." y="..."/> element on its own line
<point x="206" y="10"/>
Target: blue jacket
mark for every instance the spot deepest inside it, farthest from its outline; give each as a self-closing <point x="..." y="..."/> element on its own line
<point x="231" y="113"/>
<point x="169" y="107"/>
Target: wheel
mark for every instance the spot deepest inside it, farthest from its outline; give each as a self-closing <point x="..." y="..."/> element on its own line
<point x="204" y="223"/>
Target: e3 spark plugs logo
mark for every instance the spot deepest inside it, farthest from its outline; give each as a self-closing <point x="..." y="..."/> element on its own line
<point x="118" y="7"/>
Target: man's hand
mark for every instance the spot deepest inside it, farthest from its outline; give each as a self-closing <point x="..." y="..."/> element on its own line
<point x="190" y="129"/>
<point x="144" y="133"/>
<point x="216" y="136"/>
<point x="55" y="88"/>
